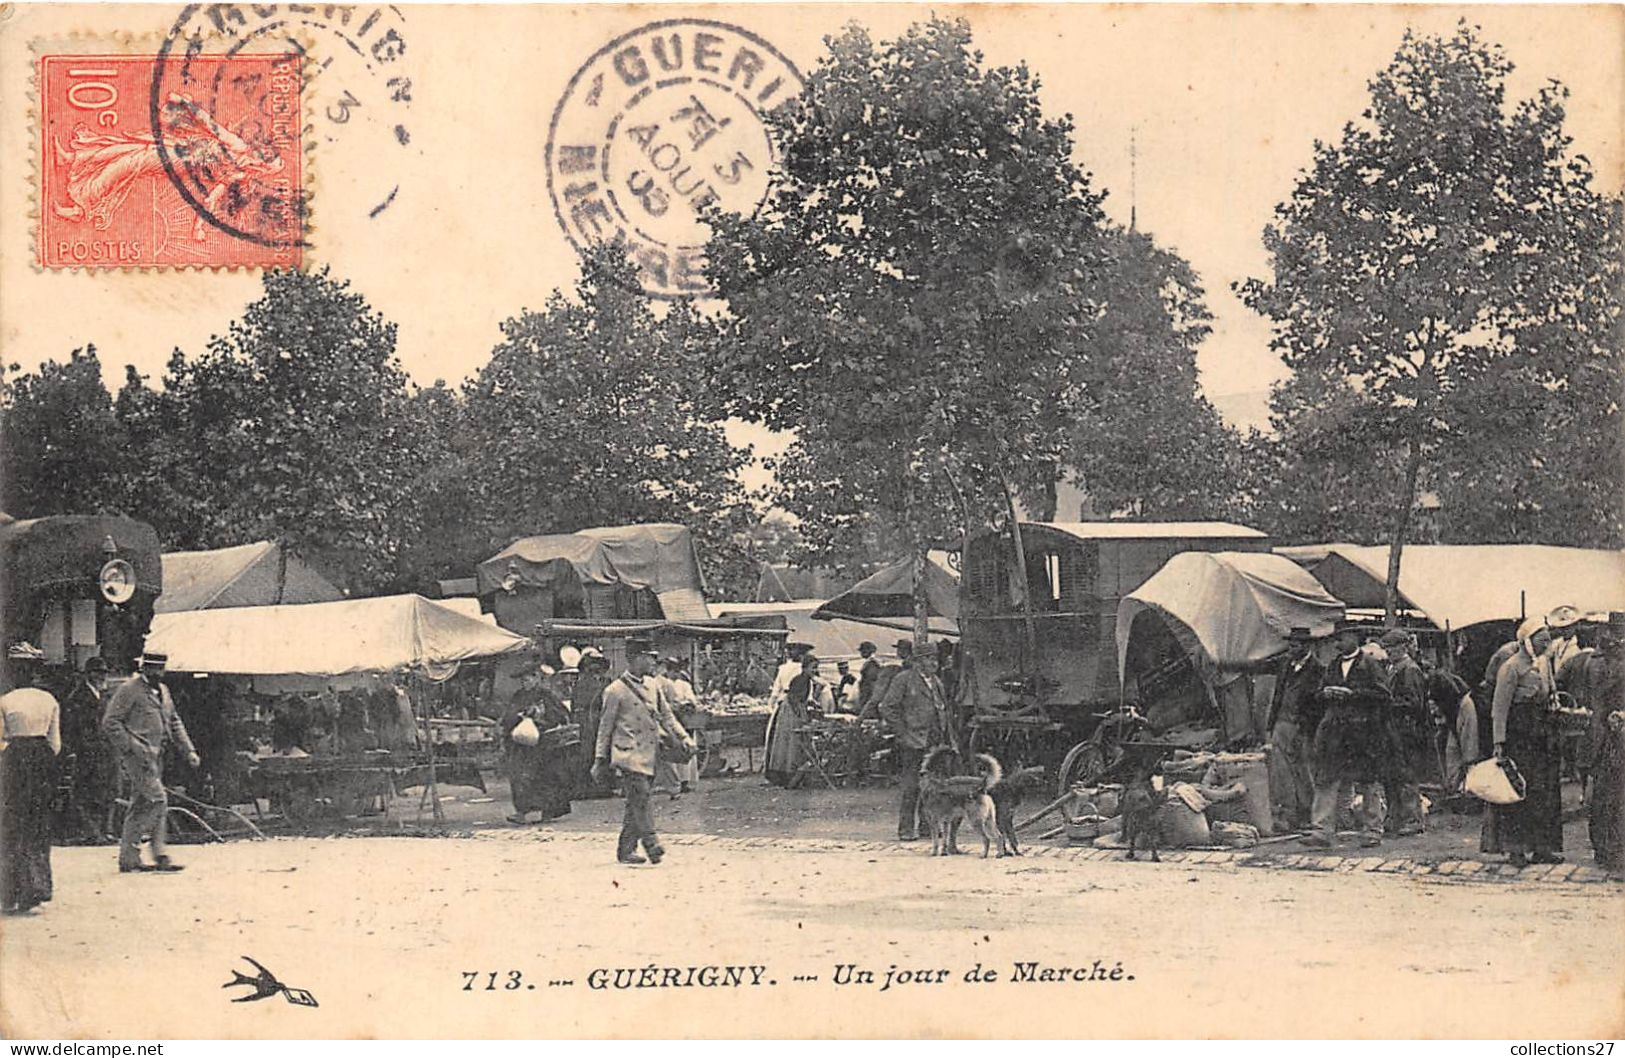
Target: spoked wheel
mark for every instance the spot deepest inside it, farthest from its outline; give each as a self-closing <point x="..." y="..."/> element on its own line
<point x="1085" y="764"/>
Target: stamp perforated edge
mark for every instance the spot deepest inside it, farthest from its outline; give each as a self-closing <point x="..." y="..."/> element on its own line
<point x="123" y="42"/>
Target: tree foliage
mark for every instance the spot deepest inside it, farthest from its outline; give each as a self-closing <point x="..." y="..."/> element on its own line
<point x="1445" y="287"/>
<point x="64" y="448"/>
<point x="590" y="412"/>
<point x="914" y="291"/>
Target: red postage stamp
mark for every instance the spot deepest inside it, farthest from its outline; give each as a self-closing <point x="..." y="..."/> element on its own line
<point x="170" y="161"/>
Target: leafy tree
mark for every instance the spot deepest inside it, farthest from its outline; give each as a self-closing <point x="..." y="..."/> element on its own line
<point x="65" y="451"/>
<point x="1141" y="435"/>
<point x="1442" y="276"/>
<point x="291" y="425"/>
<point x="590" y="413"/>
<point x="913" y="293"/>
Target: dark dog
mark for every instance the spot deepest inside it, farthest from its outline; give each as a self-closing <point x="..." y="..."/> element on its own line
<point x="948" y="799"/>
<point x="1142" y="815"/>
<point x="1007" y="795"/>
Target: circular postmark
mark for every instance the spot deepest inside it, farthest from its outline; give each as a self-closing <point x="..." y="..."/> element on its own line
<point x="657" y="124"/>
<point x="239" y="91"/>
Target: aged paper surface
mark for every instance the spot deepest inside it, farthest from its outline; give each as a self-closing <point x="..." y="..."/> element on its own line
<point x="429" y="164"/>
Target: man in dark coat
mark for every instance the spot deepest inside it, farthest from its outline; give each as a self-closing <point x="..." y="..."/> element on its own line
<point x="1294" y="713"/>
<point x="1413" y="729"/>
<point x="586" y="706"/>
<point x="1354" y="747"/>
<point x="93" y="774"/>
<point x="868" y="678"/>
<point x="917" y="713"/>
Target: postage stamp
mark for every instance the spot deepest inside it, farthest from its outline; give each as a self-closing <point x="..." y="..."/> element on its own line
<point x="656" y="124"/>
<point x="192" y="163"/>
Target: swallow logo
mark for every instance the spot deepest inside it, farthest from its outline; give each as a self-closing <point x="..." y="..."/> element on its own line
<point x="265" y="985"/>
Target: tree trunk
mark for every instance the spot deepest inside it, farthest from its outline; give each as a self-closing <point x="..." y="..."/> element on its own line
<point x="1396" y="542"/>
<point x="922" y="605"/>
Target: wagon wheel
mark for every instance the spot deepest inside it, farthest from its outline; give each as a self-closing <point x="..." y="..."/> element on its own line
<point x="1085" y="763"/>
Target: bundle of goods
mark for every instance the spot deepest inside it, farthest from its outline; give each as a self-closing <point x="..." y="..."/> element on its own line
<point x="718" y="703"/>
<point x="1249" y="770"/>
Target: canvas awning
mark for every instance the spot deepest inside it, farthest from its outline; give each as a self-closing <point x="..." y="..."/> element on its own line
<point x="657" y="557"/>
<point x="326" y="639"/>
<point x="1230" y="609"/>
<point x="1458" y="585"/>
<point x="887" y="598"/>
<point x="259" y="574"/>
<point x="832" y="638"/>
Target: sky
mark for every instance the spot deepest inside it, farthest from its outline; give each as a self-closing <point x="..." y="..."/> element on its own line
<point x="1222" y="104"/>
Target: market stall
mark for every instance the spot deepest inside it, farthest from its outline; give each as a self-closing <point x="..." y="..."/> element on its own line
<point x="732" y="660"/>
<point x="1193" y="636"/>
<point x="337" y="699"/>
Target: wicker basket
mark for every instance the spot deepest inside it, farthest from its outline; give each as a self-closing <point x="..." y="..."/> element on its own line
<point x="561" y="737"/>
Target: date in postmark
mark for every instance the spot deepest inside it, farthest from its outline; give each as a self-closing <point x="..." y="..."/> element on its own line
<point x="143" y="165"/>
<point x="660" y="122"/>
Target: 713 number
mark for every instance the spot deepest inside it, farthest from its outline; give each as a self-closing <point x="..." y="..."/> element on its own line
<point x="493" y="980"/>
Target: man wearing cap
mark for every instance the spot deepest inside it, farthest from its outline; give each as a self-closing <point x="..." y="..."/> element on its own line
<point x="1413" y="732"/>
<point x="1525" y="730"/>
<point x="587" y="707"/>
<point x="93" y="774"/>
<point x="1294" y="712"/>
<point x="917" y="713"/>
<point x="1353" y="747"/>
<point x="30" y="739"/>
<point x="139" y="719"/>
<point x="868" y="676"/>
<point x="635" y="718"/>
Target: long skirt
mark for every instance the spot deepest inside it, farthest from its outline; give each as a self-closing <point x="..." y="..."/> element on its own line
<point x="27" y="785"/>
<point x="785" y="747"/>
<point x="540" y="780"/>
<point x="1534" y="824"/>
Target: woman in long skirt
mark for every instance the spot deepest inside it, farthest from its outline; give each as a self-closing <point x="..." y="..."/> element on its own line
<point x="540" y="777"/>
<point x="30" y="739"/>
<point x="1526" y="731"/>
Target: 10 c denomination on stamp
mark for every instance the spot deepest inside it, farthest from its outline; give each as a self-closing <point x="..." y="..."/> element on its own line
<point x="657" y="124"/>
<point x="194" y="163"/>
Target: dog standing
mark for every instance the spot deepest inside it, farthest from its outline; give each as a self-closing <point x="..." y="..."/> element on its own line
<point x="1142" y="815"/>
<point x="948" y="799"/>
<point x="1007" y="795"/>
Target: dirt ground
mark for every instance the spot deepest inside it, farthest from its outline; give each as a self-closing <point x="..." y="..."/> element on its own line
<point x="746" y="805"/>
<point x="383" y="930"/>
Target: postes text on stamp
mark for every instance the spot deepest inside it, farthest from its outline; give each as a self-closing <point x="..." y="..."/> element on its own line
<point x="657" y="124"/>
<point x="188" y="164"/>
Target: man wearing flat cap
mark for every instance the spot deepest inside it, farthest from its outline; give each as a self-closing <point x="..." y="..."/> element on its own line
<point x="1294" y="712"/>
<point x="1413" y="731"/>
<point x="94" y="774"/>
<point x="140" y="718"/>
<point x="636" y="716"/>
<point x="1354" y="746"/>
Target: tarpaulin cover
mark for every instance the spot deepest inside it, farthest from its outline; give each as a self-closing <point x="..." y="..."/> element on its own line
<point x="259" y="574"/>
<point x="1229" y="608"/>
<point x="393" y="633"/>
<point x="768" y="626"/>
<point x="38" y="553"/>
<point x="1464" y="584"/>
<point x="658" y="557"/>
<point x="890" y="594"/>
